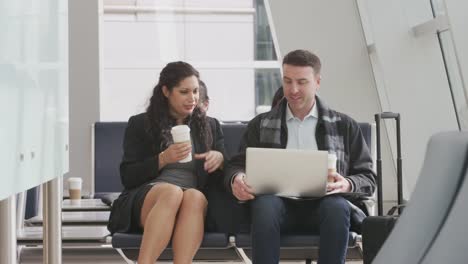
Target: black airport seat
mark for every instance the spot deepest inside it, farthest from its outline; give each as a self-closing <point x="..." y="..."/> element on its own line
<point x="133" y="240"/>
<point x="107" y="146"/>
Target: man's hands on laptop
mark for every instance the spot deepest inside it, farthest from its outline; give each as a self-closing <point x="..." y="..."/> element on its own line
<point x="241" y="190"/>
<point x="339" y="185"/>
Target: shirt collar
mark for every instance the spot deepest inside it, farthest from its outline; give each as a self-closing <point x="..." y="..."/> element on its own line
<point x="313" y="112"/>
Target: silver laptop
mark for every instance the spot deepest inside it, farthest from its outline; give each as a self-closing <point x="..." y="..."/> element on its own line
<point x="287" y="172"/>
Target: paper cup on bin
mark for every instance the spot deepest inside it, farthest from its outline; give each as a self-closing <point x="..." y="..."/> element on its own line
<point x="74" y="189"/>
<point x="181" y="134"/>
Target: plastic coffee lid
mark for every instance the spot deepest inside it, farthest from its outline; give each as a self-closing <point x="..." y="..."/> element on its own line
<point x="332" y="160"/>
<point x="74" y="183"/>
<point x="75" y="179"/>
<point x="180" y="129"/>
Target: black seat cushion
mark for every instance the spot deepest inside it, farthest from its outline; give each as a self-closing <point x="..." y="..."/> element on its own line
<point x="133" y="240"/>
<point x="293" y="240"/>
<point x="233" y="132"/>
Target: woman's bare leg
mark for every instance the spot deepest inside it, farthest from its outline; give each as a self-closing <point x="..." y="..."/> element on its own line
<point x="189" y="228"/>
<point x="158" y="216"/>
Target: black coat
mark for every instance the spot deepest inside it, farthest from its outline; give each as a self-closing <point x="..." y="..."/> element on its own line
<point x="356" y="164"/>
<point x="140" y="165"/>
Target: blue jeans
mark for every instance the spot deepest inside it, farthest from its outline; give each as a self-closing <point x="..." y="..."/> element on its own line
<point x="273" y="215"/>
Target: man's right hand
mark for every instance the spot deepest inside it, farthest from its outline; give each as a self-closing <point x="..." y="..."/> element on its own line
<point x="241" y="190"/>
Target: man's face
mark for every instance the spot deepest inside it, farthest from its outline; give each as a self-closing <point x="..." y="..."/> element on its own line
<point x="300" y="84"/>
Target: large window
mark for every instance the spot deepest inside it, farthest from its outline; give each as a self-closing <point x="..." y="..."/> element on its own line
<point x="267" y="80"/>
<point x="229" y="42"/>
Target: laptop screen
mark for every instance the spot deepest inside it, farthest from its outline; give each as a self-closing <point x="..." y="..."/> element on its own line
<point x="287" y="172"/>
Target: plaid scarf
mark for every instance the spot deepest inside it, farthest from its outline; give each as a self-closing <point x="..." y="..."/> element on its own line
<point x="274" y="124"/>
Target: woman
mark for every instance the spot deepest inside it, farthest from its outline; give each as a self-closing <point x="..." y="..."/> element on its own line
<point x="162" y="197"/>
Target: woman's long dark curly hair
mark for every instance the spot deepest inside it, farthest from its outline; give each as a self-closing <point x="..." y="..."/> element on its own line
<point x="158" y="115"/>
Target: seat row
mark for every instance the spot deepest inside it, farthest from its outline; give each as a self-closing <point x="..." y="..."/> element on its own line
<point x="227" y="223"/>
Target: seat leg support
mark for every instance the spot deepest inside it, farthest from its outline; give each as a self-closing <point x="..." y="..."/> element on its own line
<point x="241" y="253"/>
<point x="129" y="261"/>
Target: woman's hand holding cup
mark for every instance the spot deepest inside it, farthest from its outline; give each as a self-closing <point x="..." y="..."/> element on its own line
<point x="176" y="152"/>
<point x="181" y="134"/>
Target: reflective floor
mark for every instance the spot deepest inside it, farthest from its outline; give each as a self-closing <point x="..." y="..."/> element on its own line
<point x="106" y="255"/>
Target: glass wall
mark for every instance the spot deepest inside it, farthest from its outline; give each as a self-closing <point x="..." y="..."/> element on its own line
<point x="458" y="91"/>
<point x="33" y="93"/>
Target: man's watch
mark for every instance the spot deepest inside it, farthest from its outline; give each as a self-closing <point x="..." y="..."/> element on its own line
<point x="235" y="175"/>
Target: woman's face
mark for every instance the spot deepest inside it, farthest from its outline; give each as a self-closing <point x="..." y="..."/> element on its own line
<point x="183" y="98"/>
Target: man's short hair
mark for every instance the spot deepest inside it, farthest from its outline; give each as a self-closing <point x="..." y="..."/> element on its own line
<point x="303" y="58"/>
<point x="203" y="92"/>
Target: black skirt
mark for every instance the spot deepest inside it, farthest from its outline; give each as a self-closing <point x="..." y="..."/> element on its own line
<point x="136" y="207"/>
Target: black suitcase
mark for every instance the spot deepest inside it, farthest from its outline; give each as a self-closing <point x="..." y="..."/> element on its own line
<point x="375" y="229"/>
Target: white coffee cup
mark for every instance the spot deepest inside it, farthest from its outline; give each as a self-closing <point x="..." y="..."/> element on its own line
<point x="331" y="166"/>
<point x="181" y="134"/>
<point x="74" y="189"/>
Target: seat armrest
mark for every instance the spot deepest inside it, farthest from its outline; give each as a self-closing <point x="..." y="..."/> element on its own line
<point x="107" y="197"/>
<point x="370" y="204"/>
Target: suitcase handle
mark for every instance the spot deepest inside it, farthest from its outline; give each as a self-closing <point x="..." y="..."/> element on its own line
<point x="378" y="118"/>
<point x="394" y="208"/>
<point x="388" y="115"/>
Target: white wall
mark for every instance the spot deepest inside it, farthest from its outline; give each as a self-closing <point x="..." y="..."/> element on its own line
<point x="84" y="28"/>
<point x="412" y="77"/>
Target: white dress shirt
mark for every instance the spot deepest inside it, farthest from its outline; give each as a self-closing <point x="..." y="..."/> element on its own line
<point x="301" y="133"/>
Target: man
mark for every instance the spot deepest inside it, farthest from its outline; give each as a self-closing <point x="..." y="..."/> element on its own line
<point x="303" y="121"/>
<point x="204" y="100"/>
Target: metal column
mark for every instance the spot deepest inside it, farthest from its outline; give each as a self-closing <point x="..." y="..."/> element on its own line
<point x="8" y="230"/>
<point x="52" y="221"/>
